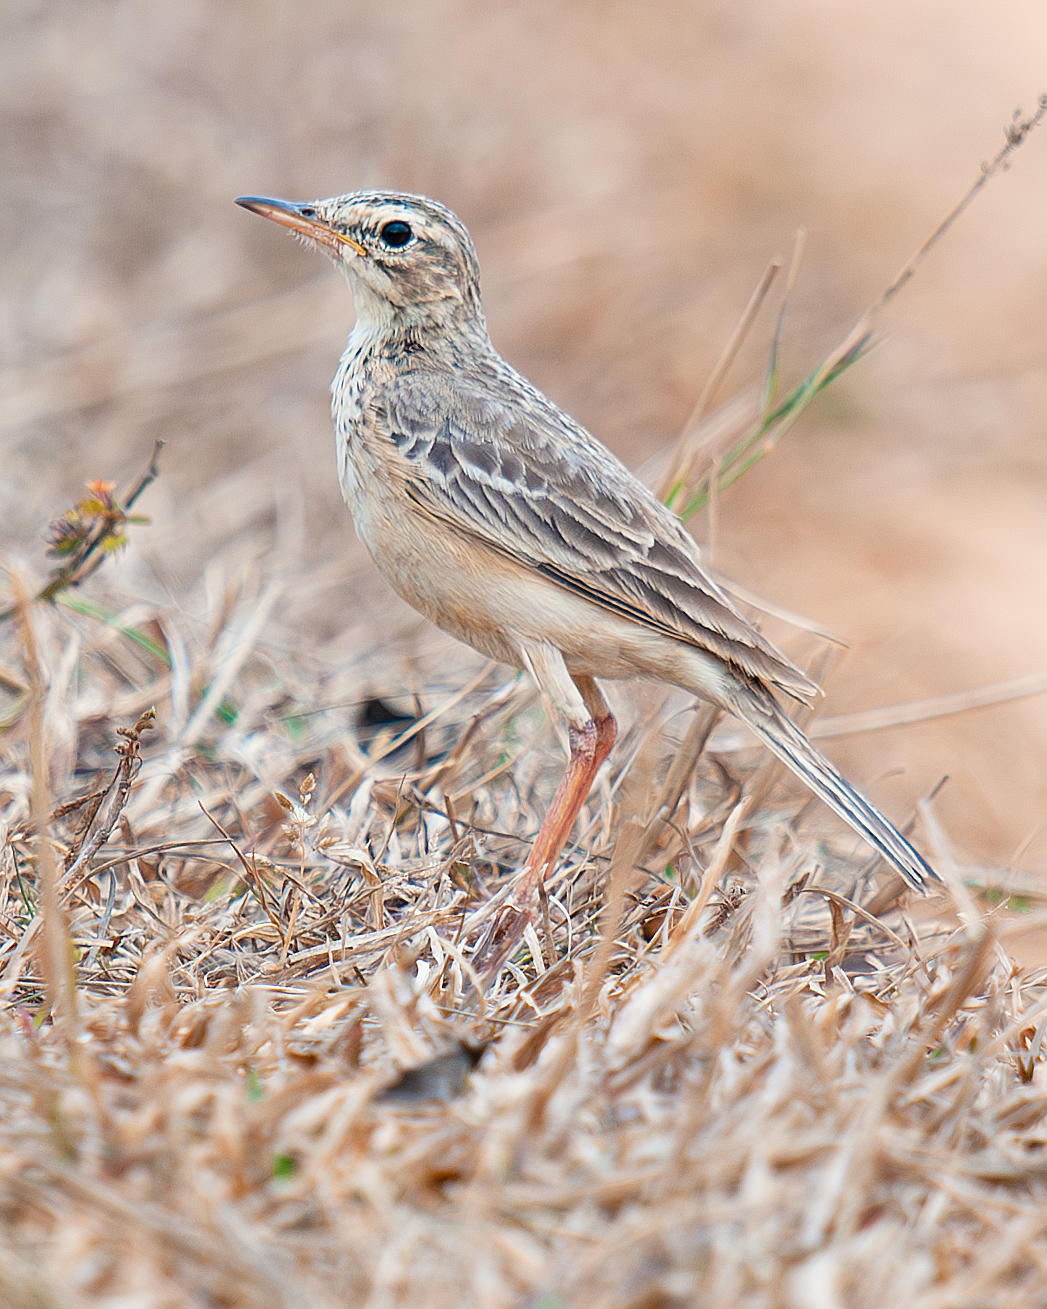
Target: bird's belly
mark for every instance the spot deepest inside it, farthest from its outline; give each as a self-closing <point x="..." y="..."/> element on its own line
<point x="500" y="607"/>
<point x="449" y="582"/>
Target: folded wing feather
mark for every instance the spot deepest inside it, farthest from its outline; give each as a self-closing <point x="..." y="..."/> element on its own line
<point x="546" y="493"/>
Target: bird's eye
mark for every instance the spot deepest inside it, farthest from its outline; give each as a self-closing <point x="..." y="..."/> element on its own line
<point x="307" y="211"/>
<point x="396" y="234"/>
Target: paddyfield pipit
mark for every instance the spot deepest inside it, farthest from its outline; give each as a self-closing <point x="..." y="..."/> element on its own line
<point x="511" y="527"/>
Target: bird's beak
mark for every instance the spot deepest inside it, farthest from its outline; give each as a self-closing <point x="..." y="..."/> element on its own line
<point x="300" y="218"/>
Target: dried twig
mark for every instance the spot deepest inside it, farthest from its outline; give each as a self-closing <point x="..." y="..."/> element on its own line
<point x="85" y="846"/>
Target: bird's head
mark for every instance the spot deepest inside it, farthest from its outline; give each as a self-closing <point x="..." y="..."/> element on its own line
<point x="408" y="260"/>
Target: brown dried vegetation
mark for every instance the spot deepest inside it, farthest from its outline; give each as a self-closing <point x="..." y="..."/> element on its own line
<point x="727" y="1071"/>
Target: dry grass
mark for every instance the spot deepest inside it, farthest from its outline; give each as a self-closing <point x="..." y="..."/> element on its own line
<point x="733" y="1075"/>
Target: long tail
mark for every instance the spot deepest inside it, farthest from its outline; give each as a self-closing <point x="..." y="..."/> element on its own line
<point x="758" y="709"/>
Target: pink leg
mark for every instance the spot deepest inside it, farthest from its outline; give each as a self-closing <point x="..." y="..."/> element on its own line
<point x="590" y="746"/>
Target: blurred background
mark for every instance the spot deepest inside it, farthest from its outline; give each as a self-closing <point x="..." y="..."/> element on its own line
<point x="627" y="169"/>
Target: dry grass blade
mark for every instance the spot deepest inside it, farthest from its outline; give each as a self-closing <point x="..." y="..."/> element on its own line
<point x="776" y="419"/>
<point x="1018" y="130"/>
<point x="680" y="472"/>
<point x="53" y="952"/>
<point x="239" y="650"/>
<point x="915" y="711"/>
<point x="678" y="777"/>
<point x="918" y="711"/>
<point x="765" y="606"/>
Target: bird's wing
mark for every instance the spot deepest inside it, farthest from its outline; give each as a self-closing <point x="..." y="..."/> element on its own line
<point x="529" y="483"/>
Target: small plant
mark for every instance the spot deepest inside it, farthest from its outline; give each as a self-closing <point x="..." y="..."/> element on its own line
<point x="92" y="530"/>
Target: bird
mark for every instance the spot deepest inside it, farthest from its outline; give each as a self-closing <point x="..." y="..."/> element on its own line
<point x="511" y="527"/>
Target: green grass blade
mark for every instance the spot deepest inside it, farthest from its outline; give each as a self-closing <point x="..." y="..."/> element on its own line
<point x="81" y="606"/>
